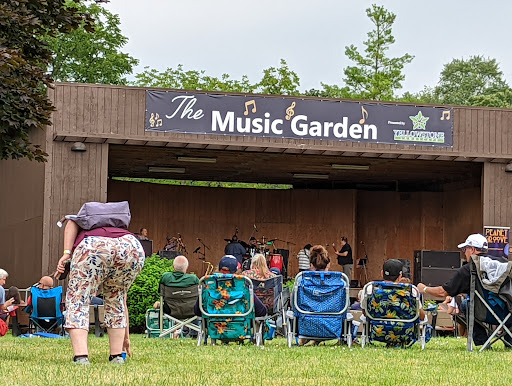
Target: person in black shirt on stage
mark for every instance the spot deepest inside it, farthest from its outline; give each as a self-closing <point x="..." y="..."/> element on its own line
<point x="236" y="249"/>
<point x="345" y="257"/>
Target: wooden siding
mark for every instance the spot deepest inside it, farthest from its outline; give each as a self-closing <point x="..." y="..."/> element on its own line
<point x="297" y="216"/>
<point x="116" y="114"/>
<point x="497" y="199"/>
<point x="393" y="225"/>
<point x="21" y="217"/>
<point x="72" y="179"/>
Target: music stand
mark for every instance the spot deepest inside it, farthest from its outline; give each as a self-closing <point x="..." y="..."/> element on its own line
<point x="363" y="262"/>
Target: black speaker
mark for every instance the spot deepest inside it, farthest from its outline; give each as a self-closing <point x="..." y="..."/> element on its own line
<point x="435" y="268"/>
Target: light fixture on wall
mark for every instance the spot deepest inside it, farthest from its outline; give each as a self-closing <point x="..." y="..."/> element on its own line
<point x="311" y="176"/>
<point x="350" y="167"/>
<point x="165" y="169"/>
<point x="508" y="167"/>
<point x="78" y="147"/>
<point x="205" y="160"/>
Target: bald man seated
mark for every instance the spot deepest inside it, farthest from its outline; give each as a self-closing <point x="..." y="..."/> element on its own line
<point x="179" y="278"/>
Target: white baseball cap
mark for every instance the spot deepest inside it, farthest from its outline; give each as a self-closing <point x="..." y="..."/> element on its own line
<point x="475" y="240"/>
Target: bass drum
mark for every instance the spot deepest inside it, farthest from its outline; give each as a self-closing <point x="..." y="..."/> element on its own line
<point x="276" y="261"/>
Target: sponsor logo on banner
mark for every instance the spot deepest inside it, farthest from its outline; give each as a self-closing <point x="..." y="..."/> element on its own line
<point x="276" y="117"/>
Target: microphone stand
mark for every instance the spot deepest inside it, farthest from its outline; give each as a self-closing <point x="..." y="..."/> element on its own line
<point x="203" y="254"/>
<point x="363" y="262"/>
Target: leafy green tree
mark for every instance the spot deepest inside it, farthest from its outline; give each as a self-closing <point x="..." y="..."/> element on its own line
<point x="375" y="76"/>
<point x="279" y="81"/>
<point x="91" y="56"/>
<point x="24" y="58"/>
<point x="475" y="81"/>
<point x="191" y="80"/>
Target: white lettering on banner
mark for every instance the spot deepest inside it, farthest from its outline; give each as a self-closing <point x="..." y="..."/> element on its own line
<point x="299" y="126"/>
<point x="339" y="129"/>
<point x="216" y="119"/>
<point x="187" y="112"/>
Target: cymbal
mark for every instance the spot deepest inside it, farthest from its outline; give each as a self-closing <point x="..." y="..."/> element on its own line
<point x="227" y="240"/>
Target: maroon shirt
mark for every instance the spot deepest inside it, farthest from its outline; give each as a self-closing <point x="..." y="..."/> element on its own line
<point x="103" y="232"/>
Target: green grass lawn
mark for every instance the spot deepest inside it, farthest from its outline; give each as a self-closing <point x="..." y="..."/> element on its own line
<point x="445" y="361"/>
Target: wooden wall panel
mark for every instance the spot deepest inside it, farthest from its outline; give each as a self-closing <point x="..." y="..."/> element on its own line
<point x="21" y="217"/>
<point x="76" y="177"/>
<point x="107" y="110"/>
<point x="394" y="225"/>
<point x="497" y="200"/>
<point x="462" y="216"/>
<point x="295" y="217"/>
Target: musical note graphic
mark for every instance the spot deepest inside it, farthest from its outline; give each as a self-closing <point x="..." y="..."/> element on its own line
<point x="445" y="114"/>
<point x="363" y="112"/>
<point x="290" y="112"/>
<point x="247" y="104"/>
<point x="155" y="120"/>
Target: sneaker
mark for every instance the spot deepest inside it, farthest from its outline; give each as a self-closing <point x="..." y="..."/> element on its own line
<point x="82" y="361"/>
<point x="118" y="361"/>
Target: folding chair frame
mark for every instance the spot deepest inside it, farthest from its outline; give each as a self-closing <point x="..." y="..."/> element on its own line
<point x="175" y="323"/>
<point x="260" y="321"/>
<point x="347" y="324"/>
<point x="421" y="328"/>
<point x="57" y="320"/>
<point x="493" y="338"/>
<point x="203" y="333"/>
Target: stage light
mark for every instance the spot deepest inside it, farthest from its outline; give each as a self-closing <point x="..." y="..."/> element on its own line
<point x="350" y="167"/>
<point x="165" y="169"/>
<point x="205" y="160"/>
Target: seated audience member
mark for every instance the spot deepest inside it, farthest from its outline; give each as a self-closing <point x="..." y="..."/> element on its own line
<point x="357" y="304"/>
<point x="171" y="245"/>
<point x="143" y="234"/>
<point x="46" y="282"/>
<point x="229" y="265"/>
<point x="392" y="273"/>
<point x="179" y="278"/>
<point x="319" y="261"/>
<point x="259" y="269"/>
<point x="4" y="304"/>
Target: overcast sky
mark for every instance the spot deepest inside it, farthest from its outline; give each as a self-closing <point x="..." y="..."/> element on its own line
<point x="242" y="37"/>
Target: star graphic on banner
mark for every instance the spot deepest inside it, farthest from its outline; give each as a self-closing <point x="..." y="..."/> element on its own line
<point x="419" y="121"/>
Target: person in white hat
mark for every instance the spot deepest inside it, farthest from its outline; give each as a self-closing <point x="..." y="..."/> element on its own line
<point x="475" y="244"/>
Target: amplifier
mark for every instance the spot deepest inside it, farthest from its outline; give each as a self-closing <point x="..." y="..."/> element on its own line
<point x="435" y="268"/>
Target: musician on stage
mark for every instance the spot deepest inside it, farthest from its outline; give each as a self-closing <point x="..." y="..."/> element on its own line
<point x="171" y="245"/>
<point x="253" y="246"/>
<point x="236" y="249"/>
<point x="345" y="256"/>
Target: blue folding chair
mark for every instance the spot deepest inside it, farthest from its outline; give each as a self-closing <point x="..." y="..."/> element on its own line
<point x="46" y="314"/>
<point x="320" y="305"/>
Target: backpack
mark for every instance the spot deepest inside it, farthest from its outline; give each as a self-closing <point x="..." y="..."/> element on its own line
<point x="97" y="214"/>
<point x="3" y="328"/>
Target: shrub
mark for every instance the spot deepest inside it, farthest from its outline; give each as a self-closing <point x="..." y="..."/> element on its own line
<point x="144" y="291"/>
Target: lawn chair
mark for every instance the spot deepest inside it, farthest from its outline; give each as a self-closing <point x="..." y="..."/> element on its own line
<point x="226" y="302"/>
<point x="152" y="318"/>
<point x="392" y="314"/>
<point x="46" y="313"/>
<point x="177" y="306"/>
<point x="489" y="305"/>
<point x="320" y="302"/>
<point x="270" y="292"/>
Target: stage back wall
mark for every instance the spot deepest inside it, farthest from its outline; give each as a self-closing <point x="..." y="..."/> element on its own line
<point x="391" y="224"/>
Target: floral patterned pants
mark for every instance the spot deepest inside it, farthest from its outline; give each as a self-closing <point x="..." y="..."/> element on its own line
<point x="102" y="262"/>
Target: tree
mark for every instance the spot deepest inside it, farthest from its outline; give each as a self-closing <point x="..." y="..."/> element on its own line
<point x="375" y="76"/>
<point x="24" y="58"/>
<point x="91" y="57"/>
<point x="279" y="81"/>
<point x="191" y="80"/>
<point x="476" y="81"/>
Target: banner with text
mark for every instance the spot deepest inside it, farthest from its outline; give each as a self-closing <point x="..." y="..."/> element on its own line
<point x="497" y="239"/>
<point x="296" y="118"/>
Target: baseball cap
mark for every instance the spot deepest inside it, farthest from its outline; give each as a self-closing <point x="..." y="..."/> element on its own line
<point x="475" y="240"/>
<point x="392" y="269"/>
<point x="228" y="263"/>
